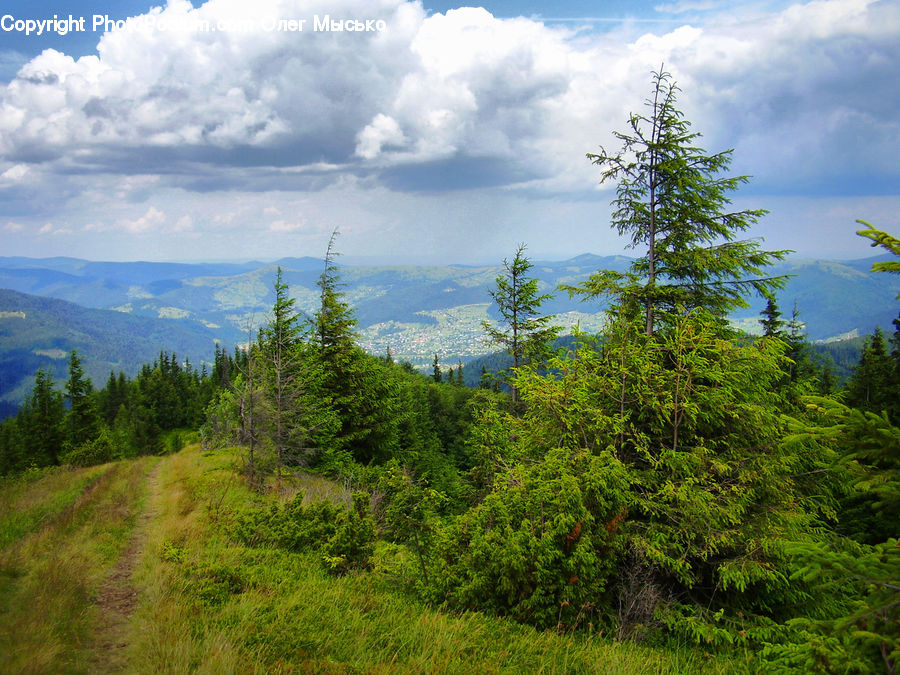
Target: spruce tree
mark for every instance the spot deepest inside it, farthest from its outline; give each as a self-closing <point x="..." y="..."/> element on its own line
<point x="871" y="385"/>
<point x="82" y="421"/>
<point x="773" y="325"/>
<point x="334" y="322"/>
<point x="43" y="422"/>
<point x="278" y="351"/>
<point x="436" y="374"/>
<point x="523" y="332"/>
<point x="360" y="387"/>
<point x="673" y="202"/>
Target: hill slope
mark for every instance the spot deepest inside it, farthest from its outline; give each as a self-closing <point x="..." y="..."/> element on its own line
<point x="37" y="332"/>
<point x="418" y="311"/>
<point x="129" y="567"/>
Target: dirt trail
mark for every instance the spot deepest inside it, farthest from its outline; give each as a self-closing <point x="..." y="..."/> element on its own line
<point x="117" y="597"/>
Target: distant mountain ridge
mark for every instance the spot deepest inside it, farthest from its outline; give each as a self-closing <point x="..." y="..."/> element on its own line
<point x="415" y="311"/>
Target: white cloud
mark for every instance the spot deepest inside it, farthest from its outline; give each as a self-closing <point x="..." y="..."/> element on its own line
<point x="282" y="226"/>
<point x="445" y="87"/>
<point x="15" y="173"/>
<point x="151" y="220"/>
<point x="229" y="130"/>
<point x="184" y="224"/>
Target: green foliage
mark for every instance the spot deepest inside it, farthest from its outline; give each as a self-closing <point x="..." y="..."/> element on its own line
<point x="42" y="422"/>
<point x="694" y="420"/>
<point x="409" y="511"/>
<point x="863" y="633"/>
<point x="771" y="322"/>
<point x="541" y="546"/>
<point x="214" y="583"/>
<point x="82" y="421"/>
<point x="292" y="526"/>
<point x="98" y="450"/>
<point x="874" y="384"/>
<point x="886" y="241"/>
<point x="352" y="544"/>
<point x="672" y="200"/>
<point x="344" y="537"/>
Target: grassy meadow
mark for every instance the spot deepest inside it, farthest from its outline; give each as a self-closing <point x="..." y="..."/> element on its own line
<point x="129" y="567"/>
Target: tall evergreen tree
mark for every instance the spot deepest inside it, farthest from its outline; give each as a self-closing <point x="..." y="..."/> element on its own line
<point x="436" y="374"/>
<point x="360" y="387"/>
<point x="82" y="421"/>
<point x="523" y="332"/>
<point x="43" y="422"/>
<point x="771" y="321"/>
<point x="871" y="385"/>
<point x="290" y="412"/>
<point x="334" y="322"/>
<point x="673" y="202"/>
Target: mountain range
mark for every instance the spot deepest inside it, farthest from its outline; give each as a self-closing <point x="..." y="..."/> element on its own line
<point x="121" y="314"/>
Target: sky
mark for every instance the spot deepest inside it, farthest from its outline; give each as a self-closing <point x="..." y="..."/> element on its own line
<point x="445" y="134"/>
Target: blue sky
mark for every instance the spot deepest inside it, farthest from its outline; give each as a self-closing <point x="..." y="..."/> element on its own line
<point x="451" y="135"/>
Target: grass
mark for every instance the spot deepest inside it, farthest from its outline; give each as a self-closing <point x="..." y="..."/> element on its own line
<point x="50" y="573"/>
<point x="34" y="498"/>
<point x="208" y="604"/>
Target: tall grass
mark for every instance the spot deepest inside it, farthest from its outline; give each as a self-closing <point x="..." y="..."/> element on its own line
<point x="214" y="605"/>
<point x="28" y="501"/>
<point x="51" y="573"/>
<point x="207" y="604"/>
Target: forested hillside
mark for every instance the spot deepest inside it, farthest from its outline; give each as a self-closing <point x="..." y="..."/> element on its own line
<point x="37" y="332"/>
<point x="417" y="311"/>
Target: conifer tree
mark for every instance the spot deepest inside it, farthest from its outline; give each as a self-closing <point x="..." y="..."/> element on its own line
<point x="673" y="202"/>
<point x="334" y="322"/>
<point x="82" y="421"/>
<point x="436" y="374"/>
<point x="485" y="381"/>
<point x="871" y="385"/>
<point x="43" y="422"/>
<point x="359" y="387"/>
<point x="772" y="324"/>
<point x="523" y="332"/>
<point x="278" y="350"/>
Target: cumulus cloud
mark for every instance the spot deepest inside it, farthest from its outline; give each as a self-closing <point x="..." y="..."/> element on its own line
<point x="241" y="122"/>
<point x="509" y="97"/>
<point x="153" y="219"/>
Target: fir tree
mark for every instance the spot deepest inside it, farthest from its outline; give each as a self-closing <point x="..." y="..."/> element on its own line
<point x="279" y="345"/>
<point x="523" y="332"/>
<point x="43" y="419"/>
<point x="673" y="202"/>
<point x="486" y="380"/>
<point x="359" y="387"/>
<point x="82" y="421"/>
<point x="871" y="385"/>
<point x="436" y="374"/>
<point x="771" y="321"/>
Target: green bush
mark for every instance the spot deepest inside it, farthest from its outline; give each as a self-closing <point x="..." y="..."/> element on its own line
<point x="98" y="450"/>
<point x="543" y="544"/>
<point x="345" y="537"/>
<point x="293" y="526"/>
<point x="353" y="542"/>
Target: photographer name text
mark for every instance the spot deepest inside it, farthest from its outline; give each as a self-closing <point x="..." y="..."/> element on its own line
<point x="154" y="22"/>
